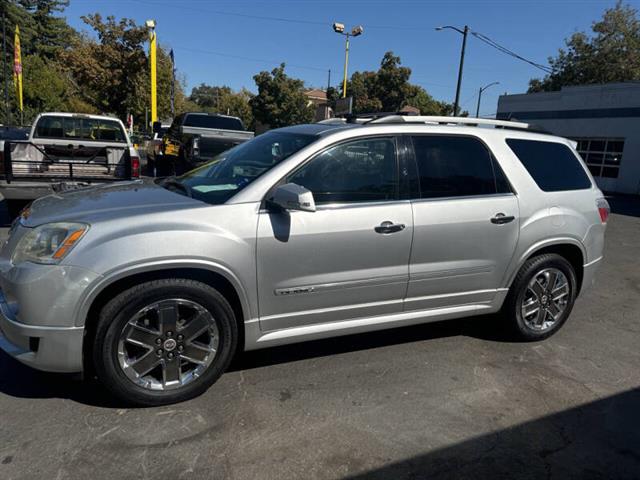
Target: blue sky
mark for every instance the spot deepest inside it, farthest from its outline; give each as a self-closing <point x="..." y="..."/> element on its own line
<point x="238" y="45"/>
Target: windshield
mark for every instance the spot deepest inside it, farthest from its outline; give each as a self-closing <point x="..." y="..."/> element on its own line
<point x="231" y="171"/>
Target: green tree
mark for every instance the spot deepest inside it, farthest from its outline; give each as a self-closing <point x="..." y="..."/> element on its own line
<point x="389" y="90"/>
<point x="112" y="73"/>
<point x="280" y="100"/>
<point x="610" y="54"/>
<point x="223" y="100"/>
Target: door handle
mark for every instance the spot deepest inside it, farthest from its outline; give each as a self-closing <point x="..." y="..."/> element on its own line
<point x="389" y="227"/>
<point x="501" y="219"/>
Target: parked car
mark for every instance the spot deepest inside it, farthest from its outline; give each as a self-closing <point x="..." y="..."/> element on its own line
<point x="65" y="151"/>
<point x="195" y="138"/>
<point x="303" y="233"/>
<point x="153" y="148"/>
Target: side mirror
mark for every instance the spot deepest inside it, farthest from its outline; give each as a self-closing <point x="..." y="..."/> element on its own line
<point x="156" y="127"/>
<point x="293" y="197"/>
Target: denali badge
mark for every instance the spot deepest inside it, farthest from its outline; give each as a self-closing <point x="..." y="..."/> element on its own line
<point x="292" y="291"/>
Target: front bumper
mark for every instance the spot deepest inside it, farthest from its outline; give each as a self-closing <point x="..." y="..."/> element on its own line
<point x="53" y="349"/>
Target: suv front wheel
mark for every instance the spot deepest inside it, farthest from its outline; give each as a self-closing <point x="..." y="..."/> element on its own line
<point x="541" y="297"/>
<point x="164" y="341"/>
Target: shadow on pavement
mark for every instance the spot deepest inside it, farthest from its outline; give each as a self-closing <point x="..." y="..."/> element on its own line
<point x="21" y="381"/>
<point x="596" y="440"/>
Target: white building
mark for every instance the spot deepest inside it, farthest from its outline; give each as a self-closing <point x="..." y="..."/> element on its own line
<point x="604" y="119"/>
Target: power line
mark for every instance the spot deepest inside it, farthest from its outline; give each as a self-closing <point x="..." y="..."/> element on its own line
<point x="250" y="59"/>
<point x="270" y="18"/>
<point x="505" y="50"/>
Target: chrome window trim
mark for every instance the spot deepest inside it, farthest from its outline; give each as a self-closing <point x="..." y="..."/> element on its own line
<point x="463" y="197"/>
<point x="345" y="205"/>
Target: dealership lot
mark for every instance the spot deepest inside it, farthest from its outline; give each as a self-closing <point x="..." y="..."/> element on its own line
<point x="437" y="400"/>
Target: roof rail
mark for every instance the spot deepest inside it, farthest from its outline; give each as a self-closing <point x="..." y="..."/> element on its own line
<point x="441" y="120"/>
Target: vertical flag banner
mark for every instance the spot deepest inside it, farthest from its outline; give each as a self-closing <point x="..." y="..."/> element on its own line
<point x="173" y="83"/>
<point x="17" y="68"/>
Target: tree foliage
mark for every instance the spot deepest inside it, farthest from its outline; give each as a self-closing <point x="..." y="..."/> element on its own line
<point x="223" y="100"/>
<point x="280" y="100"/>
<point x="388" y="90"/>
<point x="69" y="71"/>
<point x="610" y="54"/>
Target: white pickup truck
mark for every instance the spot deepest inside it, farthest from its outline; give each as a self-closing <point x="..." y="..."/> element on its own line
<point x="65" y="151"/>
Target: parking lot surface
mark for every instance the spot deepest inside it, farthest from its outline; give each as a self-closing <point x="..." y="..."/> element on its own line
<point x="452" y="399"/>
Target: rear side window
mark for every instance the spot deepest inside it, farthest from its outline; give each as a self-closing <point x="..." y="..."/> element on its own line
<point x="553" y="166"/>
<point x="212" y="121"/>
<point x="456" y="166"/>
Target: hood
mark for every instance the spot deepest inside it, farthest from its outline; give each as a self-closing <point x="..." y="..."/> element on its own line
<point x="106" y="202"/>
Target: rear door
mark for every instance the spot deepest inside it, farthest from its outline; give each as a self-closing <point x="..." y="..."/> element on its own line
<point x="348" y="259"/>
<point x="466" y="223"/>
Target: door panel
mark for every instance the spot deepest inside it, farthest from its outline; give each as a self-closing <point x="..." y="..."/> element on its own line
<point x="331" y="264"/>
<point x="459" y="255"/>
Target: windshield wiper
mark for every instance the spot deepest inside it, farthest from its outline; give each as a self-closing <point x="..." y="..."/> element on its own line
<point x="172" y="182"/>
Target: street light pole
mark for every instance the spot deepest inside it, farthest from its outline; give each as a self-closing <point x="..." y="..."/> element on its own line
<point x="464" y="32"/>
<point x="151" y="25"/>
<point x="482" y="89"/>
<point x="7" y="113"/>
<point x="346" y="66"/>
<point x="339" y="28"/>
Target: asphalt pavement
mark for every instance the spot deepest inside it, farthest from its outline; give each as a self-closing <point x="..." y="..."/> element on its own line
<point x="453" y="399"/>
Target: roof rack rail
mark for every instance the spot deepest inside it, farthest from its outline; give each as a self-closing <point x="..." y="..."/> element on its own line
<point x="467" y="121"/>
<point x="369" y="117"/>
<point x="442" y="120"/>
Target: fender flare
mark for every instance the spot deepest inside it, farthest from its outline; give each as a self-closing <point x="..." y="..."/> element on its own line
<point x="92" y="292"/>
<point x="547" y="242"/>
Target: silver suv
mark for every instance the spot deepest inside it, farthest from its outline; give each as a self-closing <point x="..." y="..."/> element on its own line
<point x="303" y="233"/>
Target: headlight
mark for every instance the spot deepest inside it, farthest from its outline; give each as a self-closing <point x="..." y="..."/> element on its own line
<point x="48" y="243"/>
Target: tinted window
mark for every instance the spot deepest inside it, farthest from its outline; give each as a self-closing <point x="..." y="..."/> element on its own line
<point x="359" y="171"/>
<point x="79" y="128"/>
<point x="213" y="121"/>
<point x="553" y="166"/>
<point x="454" y="166"/>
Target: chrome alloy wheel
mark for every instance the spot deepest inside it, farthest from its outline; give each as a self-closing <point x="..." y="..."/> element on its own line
<point x="545" y="299"/>
<point x="168" y="344"/>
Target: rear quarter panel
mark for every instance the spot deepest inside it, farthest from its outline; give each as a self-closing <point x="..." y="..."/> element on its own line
<point x="548" y="218"/>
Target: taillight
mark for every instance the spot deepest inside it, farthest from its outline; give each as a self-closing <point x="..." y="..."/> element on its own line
<point x="603" y="209"/>
<point x="135" y="167"/>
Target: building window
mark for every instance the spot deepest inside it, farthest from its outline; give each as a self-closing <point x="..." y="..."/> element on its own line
<point x="602" y="155"/>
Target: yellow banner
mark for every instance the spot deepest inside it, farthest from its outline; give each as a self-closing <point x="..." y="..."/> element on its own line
<point x="17" y="68"/>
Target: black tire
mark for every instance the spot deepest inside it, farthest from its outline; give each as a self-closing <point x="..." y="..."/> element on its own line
<point x="511" y="312"/>
<point x="115" y="315"/>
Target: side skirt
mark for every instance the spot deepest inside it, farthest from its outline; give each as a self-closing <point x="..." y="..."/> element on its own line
<point x="256" y="339"/>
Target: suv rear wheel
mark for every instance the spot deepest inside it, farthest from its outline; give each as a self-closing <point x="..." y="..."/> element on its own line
<point x="541" y="297"/>
<point x="164" y="341"/>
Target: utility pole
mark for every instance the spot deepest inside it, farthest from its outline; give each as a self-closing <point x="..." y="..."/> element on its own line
<point x="464" y="32"/>
<point x="456" y="104"/>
